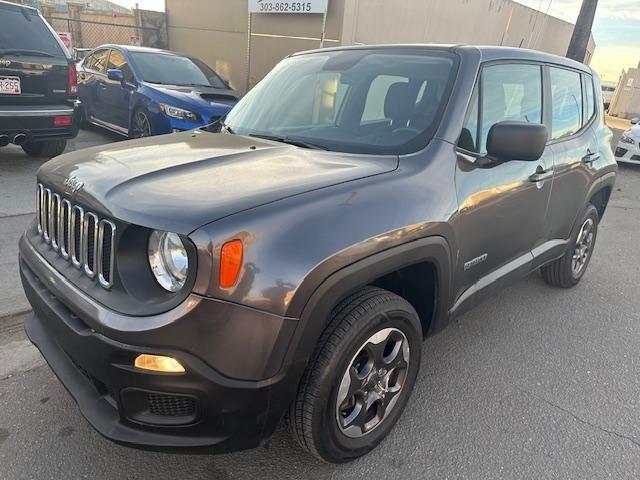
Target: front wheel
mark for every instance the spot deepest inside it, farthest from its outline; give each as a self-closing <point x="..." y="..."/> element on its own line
<point x="359" y="378"/>
<point x="140" y="124"/>
<point x="569" y="269"/>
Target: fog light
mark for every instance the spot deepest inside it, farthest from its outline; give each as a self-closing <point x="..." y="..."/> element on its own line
<point x="158" y="363"/>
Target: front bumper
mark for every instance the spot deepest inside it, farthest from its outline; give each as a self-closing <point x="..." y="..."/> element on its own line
<point x="162" y="123"/>
<point x="36" y="121"/>
<point x="198" y="409"/>
<point x="628" y="153"/>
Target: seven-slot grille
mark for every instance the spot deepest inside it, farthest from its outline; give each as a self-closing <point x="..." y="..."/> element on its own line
<point x="79" y="236"/>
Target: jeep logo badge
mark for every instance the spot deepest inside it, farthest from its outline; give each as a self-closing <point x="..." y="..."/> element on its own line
<point x="73" y="184"/>
<point x="4" y="62"/>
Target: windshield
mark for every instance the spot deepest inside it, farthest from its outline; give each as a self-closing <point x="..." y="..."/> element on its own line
<point x="170" y="69"/>
<point x="360" y="101"/>
<point x="24" y="32"/>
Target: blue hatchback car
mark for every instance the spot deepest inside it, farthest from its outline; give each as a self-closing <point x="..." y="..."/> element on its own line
<point x="137" y="91"/>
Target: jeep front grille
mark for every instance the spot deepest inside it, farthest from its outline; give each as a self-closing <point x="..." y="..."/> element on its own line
<point x="79" y="236"/>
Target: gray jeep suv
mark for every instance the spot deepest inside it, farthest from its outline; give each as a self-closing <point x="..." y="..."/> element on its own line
<point x="192" y="290"/>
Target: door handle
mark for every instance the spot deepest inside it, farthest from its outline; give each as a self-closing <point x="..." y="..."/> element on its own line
<point x="590" y="158"/>
<point x="541" y="175"/>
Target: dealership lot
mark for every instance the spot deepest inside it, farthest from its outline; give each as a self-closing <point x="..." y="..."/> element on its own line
<point x="534" y="383"/>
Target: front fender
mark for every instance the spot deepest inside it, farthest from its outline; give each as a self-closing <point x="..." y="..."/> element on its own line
<point x="316" y="308"/>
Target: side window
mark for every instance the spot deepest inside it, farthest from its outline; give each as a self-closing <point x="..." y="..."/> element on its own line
<point x="374" y="110"/>
<point x="117" y="61"/>
<point x="590" y="106"/>
<point x="101" y="58"/>
<point x="510" y="92"/>
<point x="566" y="93"/>
<point x="90" y="61"/>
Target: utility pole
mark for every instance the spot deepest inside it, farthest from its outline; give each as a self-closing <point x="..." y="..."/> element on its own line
<point x="582" y="31"/>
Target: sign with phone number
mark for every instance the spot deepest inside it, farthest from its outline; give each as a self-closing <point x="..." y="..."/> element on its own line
<point x="274" y="6"/>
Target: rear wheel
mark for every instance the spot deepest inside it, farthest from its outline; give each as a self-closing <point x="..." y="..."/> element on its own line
<point x="359" y="378"/>
<point x="46" y="149"/>
<point x="569" y="269"/>
<point x="85" y="124"/>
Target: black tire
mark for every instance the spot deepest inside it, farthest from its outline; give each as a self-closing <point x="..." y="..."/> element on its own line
<point x="85" y="124"/>
<point x="562" y="272"/>
<point x="133" y="129"/>
<point x="46" y="149"/>
<point x="314" y="414"/>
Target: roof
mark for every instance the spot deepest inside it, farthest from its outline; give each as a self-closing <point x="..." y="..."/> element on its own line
<point x="492" y="52"/>
<point x="487" y="52"/>
<point x="133" y="48"/>
<point x="18" y="7"/>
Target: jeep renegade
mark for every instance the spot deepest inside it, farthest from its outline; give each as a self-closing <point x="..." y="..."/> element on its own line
<point x="192" y="290"/>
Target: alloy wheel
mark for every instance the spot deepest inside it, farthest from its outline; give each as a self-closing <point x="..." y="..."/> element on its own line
<point x="141" y="125"/>
<point x="583" y="247"/>
<point x="371" y="385"/>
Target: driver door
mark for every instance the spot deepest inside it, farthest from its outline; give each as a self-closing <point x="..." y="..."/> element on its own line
<point x="502" y="205"/>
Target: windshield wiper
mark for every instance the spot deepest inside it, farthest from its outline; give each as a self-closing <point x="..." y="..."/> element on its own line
<point x="22" y="51"/>
<point x="290" y="141"/>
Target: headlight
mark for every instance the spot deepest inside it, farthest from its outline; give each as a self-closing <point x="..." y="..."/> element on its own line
<point x="168" y="260"/>
<point x="180" y="113"/>
<point x="626" y="139"/>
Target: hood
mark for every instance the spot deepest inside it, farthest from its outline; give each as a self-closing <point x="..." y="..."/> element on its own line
<point x="634" y="132"/>
<point x="202" y="96"/>
<point x="182" y="181"/>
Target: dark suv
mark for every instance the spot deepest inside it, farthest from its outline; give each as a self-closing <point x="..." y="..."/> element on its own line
<point x="194" y="289"/>
<point x="38" y="84"/>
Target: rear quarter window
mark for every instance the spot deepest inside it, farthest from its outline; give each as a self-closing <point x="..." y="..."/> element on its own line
<point x="590" y="104"/>
<point x="24" y="30"/>
<point x="566" y="92"/>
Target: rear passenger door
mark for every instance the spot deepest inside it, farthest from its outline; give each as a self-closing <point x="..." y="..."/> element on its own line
<point x="502" y="208"/>
<point x="574" y="145"/>
<point x="92" y="80"/>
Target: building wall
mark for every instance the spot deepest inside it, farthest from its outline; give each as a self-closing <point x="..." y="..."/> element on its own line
<point x="485" y="22"/>
<point x="626" y="101"/>
<point x="216" y="30"/>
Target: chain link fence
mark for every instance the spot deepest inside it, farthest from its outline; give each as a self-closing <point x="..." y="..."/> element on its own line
<point x="91" y="34"/>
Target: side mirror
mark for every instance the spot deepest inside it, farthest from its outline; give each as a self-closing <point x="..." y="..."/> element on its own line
<point x="635" y="121"/>
<point x="517" y="141"/>
<point x="115" y="75"/>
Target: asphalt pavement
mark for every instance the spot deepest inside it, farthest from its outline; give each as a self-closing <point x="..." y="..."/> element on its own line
<point x="536" y="382"/>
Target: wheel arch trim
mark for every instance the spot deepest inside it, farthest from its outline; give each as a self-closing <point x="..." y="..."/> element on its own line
<point x="316" y="311"/>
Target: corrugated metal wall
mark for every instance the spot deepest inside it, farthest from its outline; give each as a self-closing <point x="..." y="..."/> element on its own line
<point x="216" y="30"/>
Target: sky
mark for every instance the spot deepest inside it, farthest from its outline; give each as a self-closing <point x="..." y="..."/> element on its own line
<point x="616" y="29"/>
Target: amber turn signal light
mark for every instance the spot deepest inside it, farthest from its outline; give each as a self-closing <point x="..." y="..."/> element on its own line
<point x="158" y="363"/>
<point x="230" y="263"/>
